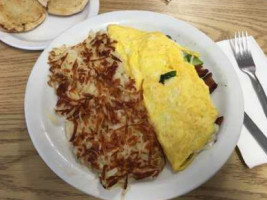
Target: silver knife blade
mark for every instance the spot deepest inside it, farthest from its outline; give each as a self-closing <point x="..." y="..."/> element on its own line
<point x="256" y="132"/>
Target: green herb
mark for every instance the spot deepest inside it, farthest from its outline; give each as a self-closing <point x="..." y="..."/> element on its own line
<point x="168" y="75"/>
<point x="169" y="37"/>
<point x="187" y="57"/>
<point x="192" y="59"/>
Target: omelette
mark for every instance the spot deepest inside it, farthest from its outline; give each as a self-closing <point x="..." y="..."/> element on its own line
<point x="177" y="100"/>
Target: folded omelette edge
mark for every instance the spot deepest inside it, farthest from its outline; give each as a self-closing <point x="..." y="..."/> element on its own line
<point x="181" y="109"/>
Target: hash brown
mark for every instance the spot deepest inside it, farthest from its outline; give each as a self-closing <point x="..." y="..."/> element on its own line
<point x="106" y="117"/>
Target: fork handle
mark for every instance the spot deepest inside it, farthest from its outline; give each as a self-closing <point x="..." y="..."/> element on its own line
<point x="259" y="90"/>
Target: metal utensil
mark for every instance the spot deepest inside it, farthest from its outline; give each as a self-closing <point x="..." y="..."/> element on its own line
<point x="256" y="132"/>
<point x="242" y="52"/>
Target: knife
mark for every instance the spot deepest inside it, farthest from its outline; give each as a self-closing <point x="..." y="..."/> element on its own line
<point x="256" y="132"/>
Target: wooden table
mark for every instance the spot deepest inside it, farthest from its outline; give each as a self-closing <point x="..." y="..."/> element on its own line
<point x="23" y="174"/>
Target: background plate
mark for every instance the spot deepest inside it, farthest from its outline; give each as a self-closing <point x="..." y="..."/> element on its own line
<point x="40" y="37"/>
<point x="50" y="141"/>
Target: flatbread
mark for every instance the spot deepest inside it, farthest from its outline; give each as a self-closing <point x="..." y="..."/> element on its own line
<point x="44" y="2"/>
<point x="20" y="15"/>
<point x="66" y="7"/>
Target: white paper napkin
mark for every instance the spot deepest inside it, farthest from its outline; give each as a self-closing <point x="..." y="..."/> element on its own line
<point x="252" y="153"/>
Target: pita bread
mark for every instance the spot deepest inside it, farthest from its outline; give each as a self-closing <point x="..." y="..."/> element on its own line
<point x="66" y="7"/>
<point x="20" y="16"/>
<point x="44" y="2"/>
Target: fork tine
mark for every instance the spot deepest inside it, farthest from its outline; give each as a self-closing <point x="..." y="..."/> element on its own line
<point x="236" y="46"/>
<point x="232" y="44"/>
<point x="239" y="43"/>
<point x="242" y="41"/>
<point x="247" y="43"/>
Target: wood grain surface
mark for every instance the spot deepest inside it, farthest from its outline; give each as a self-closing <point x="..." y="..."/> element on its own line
<point x="23" y="174"/>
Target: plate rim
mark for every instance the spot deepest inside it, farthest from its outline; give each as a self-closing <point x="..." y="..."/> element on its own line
<point x="238" y="129"/>
<point x="10" y="40"/>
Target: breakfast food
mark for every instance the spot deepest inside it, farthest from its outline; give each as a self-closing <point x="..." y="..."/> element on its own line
<point x="20" y="16"/>
<point x="180" y="109"/>
<point x="130" y="98"/>
<point x="106" y="116"/>
<point x="66" y="7"/>
<point x="44" y="2"/>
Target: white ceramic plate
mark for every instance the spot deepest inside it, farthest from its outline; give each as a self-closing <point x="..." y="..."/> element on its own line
<point x="40" y="37"/>
<point x="53" y="147"/>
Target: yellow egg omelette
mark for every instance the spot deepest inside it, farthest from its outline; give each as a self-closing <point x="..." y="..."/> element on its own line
<point x="180" y="108"/>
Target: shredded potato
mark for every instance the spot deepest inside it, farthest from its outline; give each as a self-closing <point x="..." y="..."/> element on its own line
<point x="105" y="114"/>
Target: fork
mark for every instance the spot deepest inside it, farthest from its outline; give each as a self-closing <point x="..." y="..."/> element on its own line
<point x="242" y="53"/>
